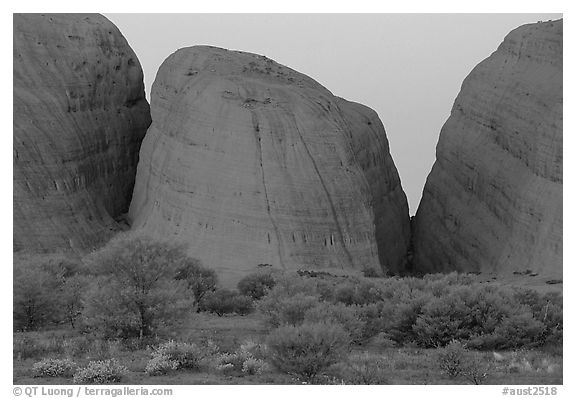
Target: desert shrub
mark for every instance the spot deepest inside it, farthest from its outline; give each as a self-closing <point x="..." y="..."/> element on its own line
<point x="288" y="285"/>
<point x="256" y="350"/>
<point x="307" y="349"/>
<point x="160" y="365"/>
<point x="347" y="316"/>
<point x="183" y="355"/>
<point x="200" y="280"/>
<point x="50" y="367"/>
<point x="256" y="285"/>
<point x="100" y="372"/>
<point x="548" y="309"/>
<point x="375" y="318"/>
<point x="280" y="310"/>
<point x="253" y="366"/>
<point x="345" y="294"/>
<point x="172" y="355"/>
<point x="401" y="326"/>
<point x="222" y="366"/>
<point x="455" y="360"/>
<point x="224" y="301"/>
<point x="325" y="290"/>
<point x="366" y="369"/>
<point x="231" y="361"/>
<point x="370" y="272"/>
<point x="440" y="321"/>
<point x="519" y="330"/>
<point x="357" y="292"/>
<point x="452" y="359"/>
<point x="248" y="359"/>
<point x="134" y="292"/>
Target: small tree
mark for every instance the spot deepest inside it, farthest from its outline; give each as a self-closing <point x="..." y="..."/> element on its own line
<point x="70" y="298"/>
<point x="135" y="290"/>
<point x="200" y="280"/>
<point x="33" y="306"/>
<point x="256" y="285"/>
<point x="39" y="286"/>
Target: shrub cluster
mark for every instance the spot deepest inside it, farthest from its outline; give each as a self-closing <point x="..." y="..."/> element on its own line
<point x="248" y="359"/>
<point x="279" y="309"/>
<point x="160" y="365"/>
<point x="224" y="301"/>
<point x="173" y="355"/>
<point x="429" y="311"/>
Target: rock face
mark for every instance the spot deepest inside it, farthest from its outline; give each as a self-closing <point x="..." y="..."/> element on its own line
<point x="251" y="162"/>
<point x="79" y="117"/>
<point x="493" y="200"/>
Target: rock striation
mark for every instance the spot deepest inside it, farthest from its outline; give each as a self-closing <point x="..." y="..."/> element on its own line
<point x="493" y="200"/>
<point x="80" y="115"/>
<point x="251" y="162"/>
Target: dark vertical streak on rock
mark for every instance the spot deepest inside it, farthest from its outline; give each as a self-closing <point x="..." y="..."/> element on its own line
<point x="258" y="140"/>
<point x="328" y="196"/>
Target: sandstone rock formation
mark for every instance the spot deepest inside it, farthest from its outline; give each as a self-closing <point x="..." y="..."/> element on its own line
<point x="493" y="200"/>
<point x="251" y="162"/>
<point x="79" y="117"/>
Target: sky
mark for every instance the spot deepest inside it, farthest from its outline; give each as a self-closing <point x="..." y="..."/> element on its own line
<point x="407" y="67"/>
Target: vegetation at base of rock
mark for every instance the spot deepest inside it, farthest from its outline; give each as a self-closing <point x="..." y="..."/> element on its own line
<point x="200" y="280"/>
<point x="134" y="291"/>
<point x="47" y="289"/>
<point x="256" y="285"/>
<point x="307" y="349"/>
<point x="224" y="301"/>
<point x="313" y="324"/>
<point x="429" y="311"/>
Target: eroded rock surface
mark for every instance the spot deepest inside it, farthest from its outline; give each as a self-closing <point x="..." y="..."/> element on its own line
<point x="251" y="162"/>
<point x="79" y="117"/>
<point x="493" y="200"/>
